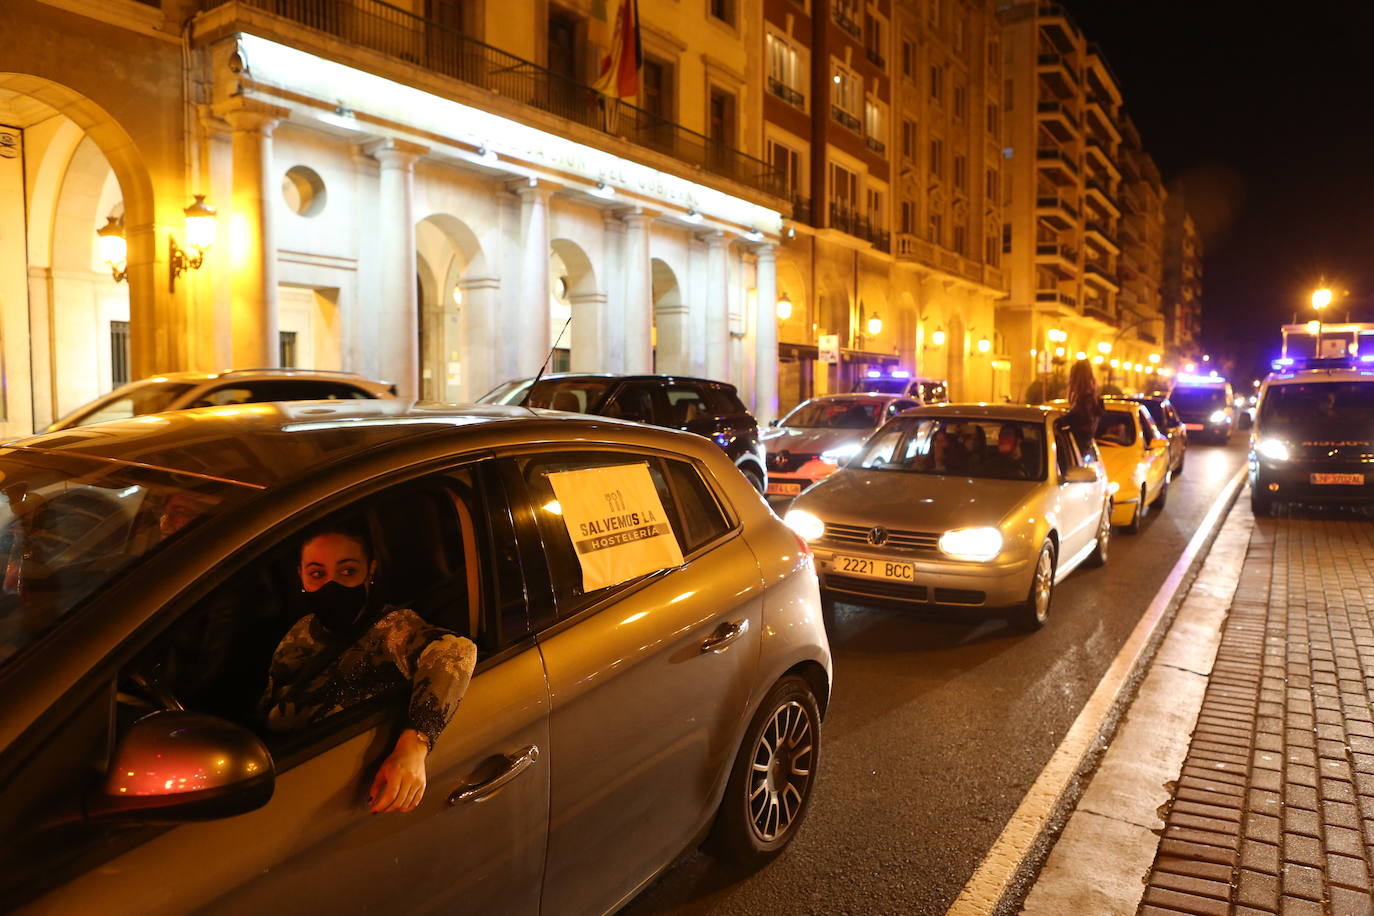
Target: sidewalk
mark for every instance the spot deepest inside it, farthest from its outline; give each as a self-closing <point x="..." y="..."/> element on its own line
<point x="1274" y="809"/>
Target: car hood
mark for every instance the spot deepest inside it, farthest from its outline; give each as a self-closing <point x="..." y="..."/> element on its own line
<point x="1121" y="463"/>
<point x="920" y="502"/>
<point x="810" y="441"/>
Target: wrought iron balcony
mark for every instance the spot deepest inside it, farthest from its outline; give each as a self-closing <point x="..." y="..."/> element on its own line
<point x="442" y="49"/>
<point x="844" y="117"/>
<point x="786" y="92"/>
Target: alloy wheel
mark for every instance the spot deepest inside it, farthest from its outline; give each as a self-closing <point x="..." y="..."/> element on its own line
<point x="1044" y="584"/>
<point x="781" y="772"/>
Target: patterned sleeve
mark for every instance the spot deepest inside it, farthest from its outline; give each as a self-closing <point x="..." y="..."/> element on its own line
<point x="294" y="650"/>
<point x="437" y="662"/>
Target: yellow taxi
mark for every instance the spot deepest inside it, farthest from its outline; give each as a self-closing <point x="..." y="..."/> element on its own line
<point x="1136" y="456"/>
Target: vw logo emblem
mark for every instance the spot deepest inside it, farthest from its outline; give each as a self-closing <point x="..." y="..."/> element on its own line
<point x="877" y="536"/>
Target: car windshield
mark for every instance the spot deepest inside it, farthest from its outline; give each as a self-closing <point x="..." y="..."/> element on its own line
<point x="506" y="393"/>
<point x="71" y="524"/>
<point x="131" y="401"/>
<point x="1156" y="409"/>
<point x="962" y="446"/>
<point x="1114" y="427"/>
<point x="1350" y="405"/>
<point x="883" y="385"/>
<point x="1192" y="399"/>
<point x="837" y="413"/>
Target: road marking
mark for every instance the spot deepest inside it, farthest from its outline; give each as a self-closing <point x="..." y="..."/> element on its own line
<point x="999" y="867"/>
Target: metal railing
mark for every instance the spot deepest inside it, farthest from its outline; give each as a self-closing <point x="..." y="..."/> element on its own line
<point x="437" y="47"/>
<point x="844" y="117"/>
<point x="859" y="226"/>
<point x="786" y="92"/>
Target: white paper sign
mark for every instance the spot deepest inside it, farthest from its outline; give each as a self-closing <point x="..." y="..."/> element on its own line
<point x="616" y="522"/>
<point x="828" y="346"/>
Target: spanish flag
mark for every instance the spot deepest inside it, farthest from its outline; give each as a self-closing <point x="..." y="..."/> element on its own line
<point x="619" y="77"/>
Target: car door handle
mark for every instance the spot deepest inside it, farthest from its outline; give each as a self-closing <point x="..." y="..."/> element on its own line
<point x="725" y="634"/>
<point x="515" y="765"/>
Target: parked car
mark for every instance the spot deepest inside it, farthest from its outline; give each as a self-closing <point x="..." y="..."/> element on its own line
<point x="696" y="405"/>
<point x="1136" y="456"/>
<point x="924" y="389"/>
<point x="1313" y="436"/>
<point x="182" y="390"/>
<point x="606" y="729"/>
<point x="1205" y="404"/>
<point x="819" y="435"/>
<point x="959" y="505"/>
<point x="1168" y="422"/>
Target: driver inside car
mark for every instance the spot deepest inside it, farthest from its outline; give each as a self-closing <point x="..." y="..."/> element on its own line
<point x="352" y="647"/>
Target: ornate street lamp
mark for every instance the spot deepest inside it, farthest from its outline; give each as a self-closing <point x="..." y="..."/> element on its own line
<point x="114" y="249"/>
<point x="200" y="235"/>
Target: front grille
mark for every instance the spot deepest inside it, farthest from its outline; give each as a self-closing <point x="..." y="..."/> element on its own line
<point x="784" y="461"/>
<point x="959" y="596"/>
<point x="897" y="539"/>
<point x="877" y="588"/>
<point x="1355" y="452"/>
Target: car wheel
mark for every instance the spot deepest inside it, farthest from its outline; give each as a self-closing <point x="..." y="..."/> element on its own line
<point x="1179" y="470"/>
<point x="1261" y="504"/>
<point x="771" y="782"/>
<point x="1032" y="615"/>
<point x="1142" y="509"/>
<point x="754" y="477"/>
<point x="1163" y="496"/>
<point x="1102" y="549"/>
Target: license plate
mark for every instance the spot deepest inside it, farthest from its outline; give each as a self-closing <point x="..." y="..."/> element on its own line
<point x="784" y="489"/>
<point x="1192" y="426"/>
<point x="875" y="569"/>
<point x="1350" y="480"/>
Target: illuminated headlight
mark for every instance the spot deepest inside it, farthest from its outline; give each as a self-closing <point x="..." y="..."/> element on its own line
<point x="842" y="453"/>
<point x="1113" y="487"/>
<point x="1218" y="416"/>
<point x="971" y="543"/>
<point x="807" y="526"/>
<point x="1272" y="449"/>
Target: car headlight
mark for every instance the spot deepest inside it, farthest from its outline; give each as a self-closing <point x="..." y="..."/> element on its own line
<point x="1218" y="416"/>
<point x="971" y="543"/>
<point x="1272" y="449"/>
<point x="807" y="526"/>
<point x="841" y="454"/>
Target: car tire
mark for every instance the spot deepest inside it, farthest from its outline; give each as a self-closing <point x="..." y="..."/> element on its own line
<point x="1032" y="614"/>
<point x="1142" y="509"/>
<point x="1261" y="504"/>
<point x="754" y="477"/>
<point x="765" y="787"/>
<point x="1102" y="549"/>
<point x="1162" y="497"/>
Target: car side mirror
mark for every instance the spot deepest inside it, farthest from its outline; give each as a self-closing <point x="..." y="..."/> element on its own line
<point x="175" y="766"/>
<point x="1080" y="475"/>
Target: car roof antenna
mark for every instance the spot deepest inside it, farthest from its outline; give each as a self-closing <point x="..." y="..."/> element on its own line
<point x="525" y="401"/>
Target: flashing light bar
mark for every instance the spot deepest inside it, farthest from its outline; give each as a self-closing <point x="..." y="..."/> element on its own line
<point x="1294" y="364"/>
<point x="874" y="373"/>
<point x="1189" y="378"/>
<point x="902" y="373"/>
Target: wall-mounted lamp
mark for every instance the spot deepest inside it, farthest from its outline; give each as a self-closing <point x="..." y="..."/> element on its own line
<point x="984" y="345"/>
<point x="784" y="307"/>
<point x="1099" y="359"/>
<point x="1080" y="355"/>
<point x="200" y="235"/>
<point x="692" y="216"/>
<point x="114" y="250"/>
<point x="1104" y="347"/>
<point x="938" y="338"/>
<point x="1154" y="358"/>
<point x="875" y="324"/>
<point x="603" y="190"/>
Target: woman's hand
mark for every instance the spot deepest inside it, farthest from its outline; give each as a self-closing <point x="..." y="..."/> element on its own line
<point x="400" y="781"/>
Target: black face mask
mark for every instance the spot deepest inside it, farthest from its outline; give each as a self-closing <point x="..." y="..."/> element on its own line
<point x="339" y="608"/>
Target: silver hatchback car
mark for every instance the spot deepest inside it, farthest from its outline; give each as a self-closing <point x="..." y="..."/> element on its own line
<point x="962" y="505"/>
<point x="624" y="707"/>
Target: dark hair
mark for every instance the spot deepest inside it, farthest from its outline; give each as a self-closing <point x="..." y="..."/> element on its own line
<point x="355" y="529"/>
<point x="1082" y="383"/>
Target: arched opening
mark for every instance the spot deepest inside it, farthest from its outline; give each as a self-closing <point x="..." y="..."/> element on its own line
<point x="454" y="292"/>
<point x="672" y="339"/>
<point x="575" y="307"/>
<point x="72" y="330"/>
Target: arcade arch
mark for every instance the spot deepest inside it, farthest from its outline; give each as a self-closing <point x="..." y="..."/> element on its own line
<point x="672" y="334"/>
<point x="459" y="357"/>
<point x="574" y="308"/>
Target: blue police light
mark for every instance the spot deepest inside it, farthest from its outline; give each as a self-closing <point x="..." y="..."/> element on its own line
<point x="902" y="373"/>
<point x="1187" y="378"/>
<point x="873" y="373"/>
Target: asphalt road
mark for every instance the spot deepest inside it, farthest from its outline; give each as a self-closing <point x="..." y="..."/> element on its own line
<point x="936" y="729"/>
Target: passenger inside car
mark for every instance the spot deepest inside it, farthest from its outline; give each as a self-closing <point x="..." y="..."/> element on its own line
<point x="1008" y="461"/>
<point x="1115" y="429"/>
<point x="353" y="646"/>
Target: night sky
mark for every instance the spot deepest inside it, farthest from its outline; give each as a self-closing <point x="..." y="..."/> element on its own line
<point x="1265" y="114"/>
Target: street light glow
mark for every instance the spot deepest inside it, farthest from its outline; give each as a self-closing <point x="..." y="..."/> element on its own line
<point x="1321" y="298"/>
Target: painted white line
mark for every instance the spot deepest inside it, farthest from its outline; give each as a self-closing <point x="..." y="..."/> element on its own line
<point x="998" y="869"/>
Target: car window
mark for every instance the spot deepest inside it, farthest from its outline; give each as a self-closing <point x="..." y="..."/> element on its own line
<point x="677" y="483"/>
<point x="1201" y="398"/>
<point x="1316" y="406"/>
<point x="685" y="405"/>
<point x="142" y="399"/>
<point x="1148" y="426"/>
<point x="1065" y="451"/>
<point x="571" y="394"/>
<point x="632" y="402"/>
<point x="837" y="413"/>
<point x="963" y="446"/>
<point x="723" y="401"/>
<point x="897" y="407"/>
<point x="1114" y="427"/>
<point x="279" y="390"/>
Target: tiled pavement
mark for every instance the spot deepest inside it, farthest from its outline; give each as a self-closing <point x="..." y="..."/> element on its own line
<point x="1274" y="809"/>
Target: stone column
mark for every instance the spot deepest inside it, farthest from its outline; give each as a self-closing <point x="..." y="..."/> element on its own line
<point x="252" y="244"/>
<point x="639" y="293"/>
<point x="695" y="293"/>
<point x="717" y="307"/>
<point x="479" y="360"/>
<point x="613" y="344"/>
<point x="532" y="312"/>
<point x="589" y="331"/>
<point x="766" y="335"/>
<point x="399" y="343"/>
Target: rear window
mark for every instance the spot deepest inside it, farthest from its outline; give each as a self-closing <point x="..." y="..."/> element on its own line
<point x="836" y="413"/>
<point x="1188" y="399"/>
<point x="1114" y="427"/>
<point x="570" y="394"/>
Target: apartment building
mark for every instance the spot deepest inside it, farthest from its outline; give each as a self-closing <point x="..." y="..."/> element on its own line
<point x="883" y="119"/>
<point x="1084" y="236"/>
<point x="429" y="191"/>
<point x="1182" y="281"/>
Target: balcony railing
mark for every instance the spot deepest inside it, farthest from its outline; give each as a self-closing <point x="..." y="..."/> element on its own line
<point x="801" y="210"/>
<point x="875" y="144"/>
<point x="786" y="92"/>
<point x="843" y="20"/>
<point x="1055" y="296"/>
<point x="442" y="49"/>
<point x="1057" y="251"/>
<point x="855" y="224"/>
<point x="1048" y="154"/>
<point x="876" y="59"/>
<point x="1050" y="203"/>
<point x="844" y="117"/>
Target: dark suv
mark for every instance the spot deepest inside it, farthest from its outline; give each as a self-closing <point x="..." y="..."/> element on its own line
<point x="707" y="408"/>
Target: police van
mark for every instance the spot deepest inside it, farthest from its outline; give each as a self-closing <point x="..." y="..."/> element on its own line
<point x="1313" y="436"/>
<point x="1206" y="405"/>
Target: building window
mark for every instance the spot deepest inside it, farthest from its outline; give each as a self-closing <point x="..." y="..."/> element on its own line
<point x="934" y="12"/>
<point x="847" y="96"/>
<point x="991" y="190"/>
<point x="908" y="217"/>
<point x="960" y="103"/>
<point x="960" y="171"/>
<point x="994" y="56"/>
<point x="656" y="91"/>
<point x="844" y="188"/>
<point x="786" y="71"/>
<point x="991" y="252"/>
<point x="1006" y="238"/>
<point x="937" y="79"/>
<point x="875" y="125"/>
<point x="961" y="239"/>
<point x="720" y="122"/>
<point x="961" y="35"/>
<point x="935" y="231"/>
<point x="1006" y="95"/>
<point x="875" y="40"/>
<point x="787" y="161"/>
<point x="724" y="10"/>
<point x="937" y="157"/>
<point x="908" y="140"/>
<point x="561" y="52"/>
<point x="119" y="352"/>
<point x="908" y="59"/>
<point x="994" y="121"/>
<point x="287" y="349"/>
<point x="876" y="217"/>
<point x="847" y="16"/>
